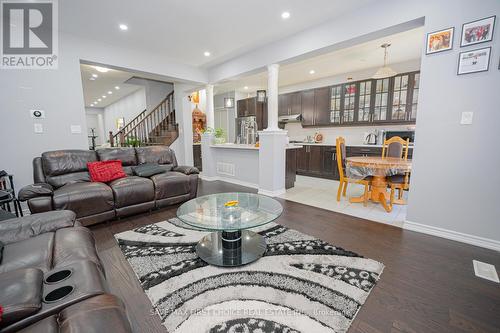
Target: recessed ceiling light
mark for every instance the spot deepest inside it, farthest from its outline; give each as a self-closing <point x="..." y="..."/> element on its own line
<point x="312" y="71"/>
<point x="102" y="69"/>
<point x="95" y="75"/>
<point x="103" y="96"/>
<point x="91" y="104"/>
<point x="285" y="15"/>
<point x="99" y="99"/>
<point x="123" y="27"/>
<point x="206" y="54"/>
<point x="110" y="92"/>
<point x="245" y="87"/>
<point x="92" y="78"/>
<point x="117" y="87"/>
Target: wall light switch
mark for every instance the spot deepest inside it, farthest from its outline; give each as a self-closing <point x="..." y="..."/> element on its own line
<point x="76" y="129"/>
<point x="467" y="118"/>
<point x="38" y="128"/>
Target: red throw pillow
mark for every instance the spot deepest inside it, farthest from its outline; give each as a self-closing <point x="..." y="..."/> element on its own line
<point x="105" y="171"/>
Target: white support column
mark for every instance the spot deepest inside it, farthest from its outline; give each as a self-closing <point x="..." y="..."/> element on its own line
<point x="272" y="97"/>
<point x="183" y="146"/>
<point x="272" y="162"/>
<point x="210" y="106"/>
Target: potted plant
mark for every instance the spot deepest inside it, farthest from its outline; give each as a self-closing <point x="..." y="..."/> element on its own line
<point x="219" y="136"/>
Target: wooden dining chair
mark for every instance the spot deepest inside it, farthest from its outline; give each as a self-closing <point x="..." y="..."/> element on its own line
<point x="341" y="164"/>
<point x="398" y="148"/>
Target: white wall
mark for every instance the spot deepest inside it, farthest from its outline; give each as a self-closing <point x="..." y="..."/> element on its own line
<point x="455" y="179"/>
<point x="402" y="67"/>
<point x="95" y="119"/>
<point x="128" y="107"/>
<point x="155" y="91"/>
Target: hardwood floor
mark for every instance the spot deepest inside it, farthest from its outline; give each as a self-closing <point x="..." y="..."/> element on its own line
<point x="428" y="284"/>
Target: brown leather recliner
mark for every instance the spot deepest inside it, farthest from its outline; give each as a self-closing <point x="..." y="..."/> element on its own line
<point x="62" y="182"/>
<point x="45" y="241"/>
<point x="51" y="279"/>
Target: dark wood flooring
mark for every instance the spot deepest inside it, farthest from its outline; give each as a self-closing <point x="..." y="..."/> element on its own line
<point x="428" y="284"/>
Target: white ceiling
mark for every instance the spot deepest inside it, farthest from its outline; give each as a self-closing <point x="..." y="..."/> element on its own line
<point x="182" y="30"/>
<point x="104" y="83"/>
<point x="405" y="46"/>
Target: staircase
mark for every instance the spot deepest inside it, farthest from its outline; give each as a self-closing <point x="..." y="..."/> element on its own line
<point x="155" y="128"/>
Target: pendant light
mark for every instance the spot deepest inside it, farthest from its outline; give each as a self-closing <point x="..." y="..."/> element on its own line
<point x="384" y="71"/>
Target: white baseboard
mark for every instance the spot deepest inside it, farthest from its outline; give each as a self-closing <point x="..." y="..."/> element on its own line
<point x="210" y="179"/>
<point x="453" y="235"/>
<point x="272" y="193"/>
<point x="246" y="184"/>
<point x="229" y="180"/>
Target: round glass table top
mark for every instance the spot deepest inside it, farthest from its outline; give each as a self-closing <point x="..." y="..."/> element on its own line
<point x="229" y="211"/>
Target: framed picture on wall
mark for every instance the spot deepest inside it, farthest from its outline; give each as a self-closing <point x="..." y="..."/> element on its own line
<point x="479" y="31"/>
<point x="439" y="41"/>
<point x="474" y="61"/>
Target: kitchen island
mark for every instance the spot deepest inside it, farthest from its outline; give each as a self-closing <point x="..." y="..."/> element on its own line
<point x="239" y="163"/>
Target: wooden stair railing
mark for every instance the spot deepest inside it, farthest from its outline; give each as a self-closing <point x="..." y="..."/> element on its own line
<point x="115" y="138"/>
<point x="156" y="128"/>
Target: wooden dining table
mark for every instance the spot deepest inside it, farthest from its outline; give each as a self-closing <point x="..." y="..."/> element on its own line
<point x="379" y="168"/>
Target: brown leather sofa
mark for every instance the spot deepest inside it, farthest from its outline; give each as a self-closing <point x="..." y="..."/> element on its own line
<point x="62" y="182"/>
<point x="51" y="279"/>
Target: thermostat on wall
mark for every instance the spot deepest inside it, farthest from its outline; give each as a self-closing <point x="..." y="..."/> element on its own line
<point x="38" y="114"/>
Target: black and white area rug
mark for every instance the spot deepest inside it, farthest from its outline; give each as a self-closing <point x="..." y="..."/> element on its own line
<point x="301" y="284"/>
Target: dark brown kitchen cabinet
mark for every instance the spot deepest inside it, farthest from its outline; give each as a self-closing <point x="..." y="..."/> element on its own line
<point x="322" y="106"/>
<point x="242" y="106"/>
<point x="307" y="102"/>
<point x="247" y="107"/>
<point x="302" y="160"/>
<point x="330" y="169"/>
<point x="289" y="104"/>
<point x="321" y="161"/>
<point x="250" y="107"/>
<point x="291" y="168"/>
<point x="315" y="160"/>
<point x="310" y="161"/>
<point x="197" y="157"/>
<point x="366" y="102"/>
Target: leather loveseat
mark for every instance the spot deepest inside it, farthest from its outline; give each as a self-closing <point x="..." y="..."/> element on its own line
<point x="51" y="279"/>
<point x="62" y="182"/>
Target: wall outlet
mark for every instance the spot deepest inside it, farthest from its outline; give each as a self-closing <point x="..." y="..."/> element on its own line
<point x="38" y="128"/>
<point x="466" y="118"/>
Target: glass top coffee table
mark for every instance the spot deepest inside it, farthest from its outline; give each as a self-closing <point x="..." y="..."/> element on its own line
<point x="229" y="216"/>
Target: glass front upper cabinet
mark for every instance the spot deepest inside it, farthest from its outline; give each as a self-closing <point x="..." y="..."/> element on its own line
<point x="399" y="97"/>
<point x="364" y="104"/>
<point x="350" y="93"/>
<point x="381" y="99"/>
<point x="413" y="108"/>
<point x="335" y="104"/>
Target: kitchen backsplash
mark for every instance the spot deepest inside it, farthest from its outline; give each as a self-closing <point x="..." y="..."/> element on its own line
<point x="352" y="135"/>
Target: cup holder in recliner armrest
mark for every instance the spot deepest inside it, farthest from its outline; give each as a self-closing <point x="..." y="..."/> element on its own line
<point x="58" y="276"/>
<point x="58" y="294"/>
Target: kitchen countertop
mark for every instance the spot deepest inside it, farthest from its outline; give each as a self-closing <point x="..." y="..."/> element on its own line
<point x="250" y="147"/>
<point x="333" y="145"/>
<point x="234" y="146"/>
